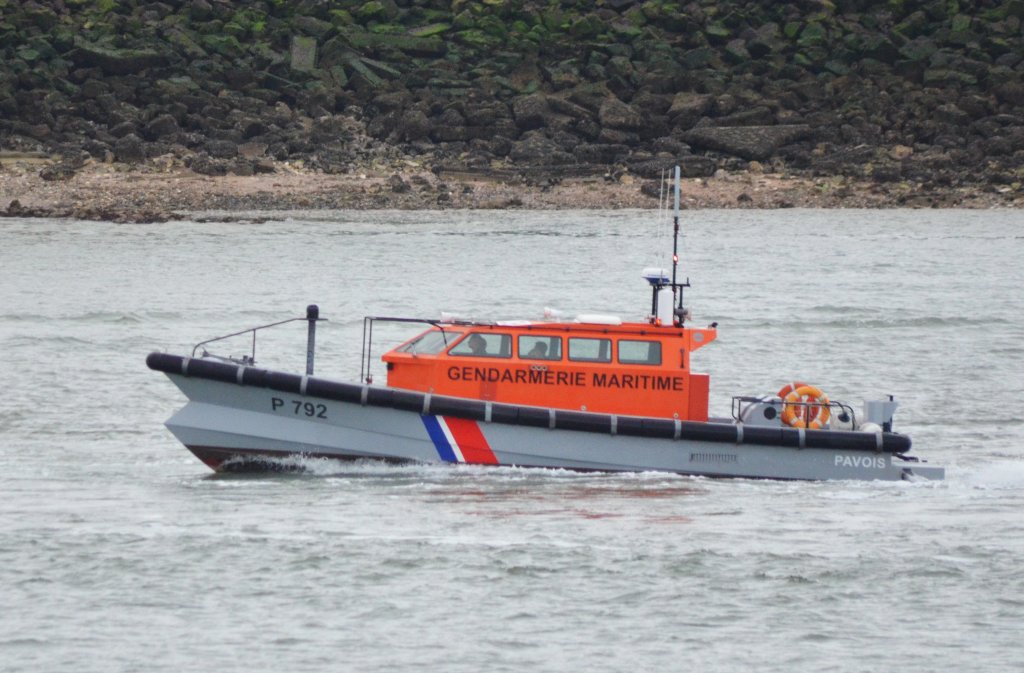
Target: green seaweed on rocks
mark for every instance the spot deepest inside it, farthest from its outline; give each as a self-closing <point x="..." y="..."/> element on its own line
<point x="449" y="81"/>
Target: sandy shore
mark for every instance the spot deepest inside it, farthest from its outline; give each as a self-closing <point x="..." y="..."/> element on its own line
<point x="161" y="191"/>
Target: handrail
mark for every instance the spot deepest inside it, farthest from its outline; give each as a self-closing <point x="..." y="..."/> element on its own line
<point x="739" y="400"/>
<point x="312" y="317"/>
<point x="365" y="376"/>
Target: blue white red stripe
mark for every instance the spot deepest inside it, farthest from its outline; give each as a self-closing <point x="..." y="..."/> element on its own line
<point x="459" y="440"/>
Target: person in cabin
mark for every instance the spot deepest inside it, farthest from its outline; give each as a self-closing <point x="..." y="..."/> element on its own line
<point x="539" y="351"/>
<point x="477" y="345"/>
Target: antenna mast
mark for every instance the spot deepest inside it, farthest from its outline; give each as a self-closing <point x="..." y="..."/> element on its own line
<point x="677" y="287"/>
<point x="675" y="232"/>
<point x="667" y="294"/>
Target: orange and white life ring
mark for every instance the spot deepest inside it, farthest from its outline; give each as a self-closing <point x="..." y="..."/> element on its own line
<point x="790" y="387"/>
<point x="804" y="406"/>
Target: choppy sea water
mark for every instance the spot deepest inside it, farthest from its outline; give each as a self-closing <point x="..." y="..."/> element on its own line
<point x="121" y="552"/>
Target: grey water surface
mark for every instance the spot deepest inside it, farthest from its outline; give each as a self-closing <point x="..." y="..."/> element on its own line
<point x="119" y="551"/>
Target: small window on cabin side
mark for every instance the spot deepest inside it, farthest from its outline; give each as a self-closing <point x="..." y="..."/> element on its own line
<point x="639" y="352"/>
<point x="430" y="343"/>
<point x="484" y="345"/>
<point x="590" y="350"/>
<point x="540" y="348"/>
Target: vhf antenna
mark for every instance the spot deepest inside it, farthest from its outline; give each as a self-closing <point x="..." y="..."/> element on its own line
<point x="680" y="312"/>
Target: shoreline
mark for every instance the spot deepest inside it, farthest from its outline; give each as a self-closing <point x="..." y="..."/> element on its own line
<point x="162" y="190"/>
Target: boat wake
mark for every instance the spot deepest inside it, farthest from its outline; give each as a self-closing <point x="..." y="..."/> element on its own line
<point x="1004" y="475"/>
<point x="304" y="465"/>
<point x="321" y="467"/>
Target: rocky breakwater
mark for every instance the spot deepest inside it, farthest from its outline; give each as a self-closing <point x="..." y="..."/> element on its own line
<point x="916" y="98"/>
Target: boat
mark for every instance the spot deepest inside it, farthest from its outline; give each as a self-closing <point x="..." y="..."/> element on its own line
<point x="590" y="393"/>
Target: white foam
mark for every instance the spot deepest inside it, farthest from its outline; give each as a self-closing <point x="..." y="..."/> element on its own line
<point x="1007" y="474"/>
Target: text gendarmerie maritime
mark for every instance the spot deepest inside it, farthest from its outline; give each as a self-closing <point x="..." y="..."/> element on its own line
<point x="547" y="377"/>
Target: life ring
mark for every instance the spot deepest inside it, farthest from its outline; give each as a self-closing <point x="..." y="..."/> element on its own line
<point x="790" y="387"/>
<point x="805" y="406"/>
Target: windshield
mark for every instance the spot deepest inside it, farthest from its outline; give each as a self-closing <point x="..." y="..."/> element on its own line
<point x="430" y="342"/>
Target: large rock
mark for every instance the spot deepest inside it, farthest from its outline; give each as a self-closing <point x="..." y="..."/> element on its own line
<point x="615" y="114"/>
<point x="697" y="167"/>
<point x="590" y="95"/>
<point x="755" y="116"/>
<point x="312" y="25"/>
<point x="303" y="53"/>
<point x="531" y="112"/>
<point x="449" y="127"/>
<point x="129" y="149"/>
<point x="597" y="153"/>
<point x="116" y="61"/>
<point x="688" y="108"/>
<point x="58" y="172"/>
<point x="764" y="40"/>
<point x="485" y="114"/>
<point x="160" y="126"/>
<point x="748" y="142"/>
<point x="1011" y="93"/>
<point x="413" y="125"/>
<point x="222" y="149"/>
<point x="413" y="45"/>
<point x="535" y="148"/>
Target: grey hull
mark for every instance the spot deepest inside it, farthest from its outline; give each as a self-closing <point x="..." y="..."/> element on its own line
<point x="229" y="422"/>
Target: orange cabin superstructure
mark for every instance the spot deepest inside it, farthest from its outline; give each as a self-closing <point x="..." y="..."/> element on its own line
<point x="635" y="369"/>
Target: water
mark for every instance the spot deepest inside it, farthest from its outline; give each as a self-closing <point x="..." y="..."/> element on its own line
<point x="121" y="552"/>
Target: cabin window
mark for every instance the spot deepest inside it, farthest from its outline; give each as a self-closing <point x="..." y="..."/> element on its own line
<point x="639" y="352"/>
<point x="540" y="347"/>
<point x="484" y="345"/>
<point x="590" y="350"/>
<point x="430" y="343"/>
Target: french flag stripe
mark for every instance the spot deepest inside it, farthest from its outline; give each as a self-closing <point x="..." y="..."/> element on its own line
<point x="440" y="439"/>
<point x="470" y="442"/>
<point x="452" y="441"/>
